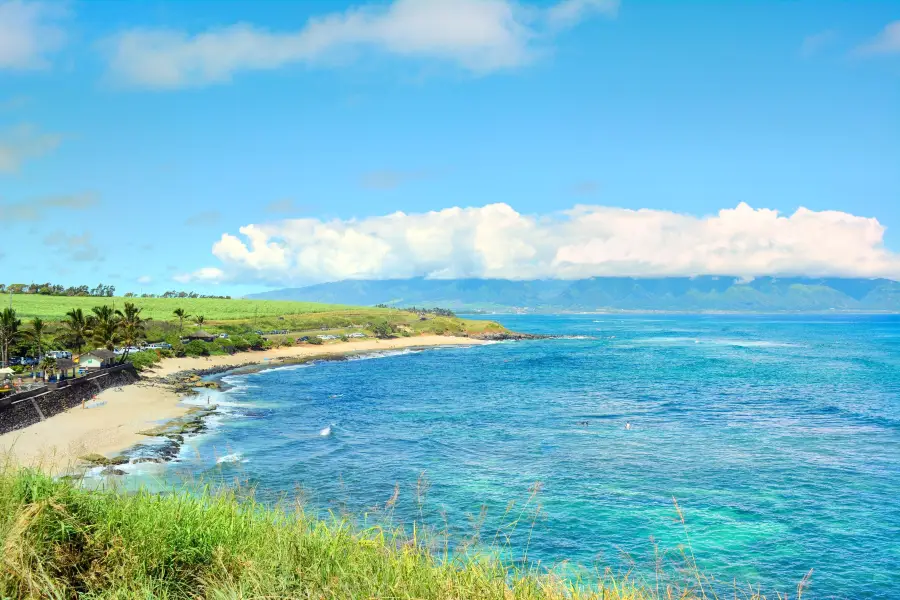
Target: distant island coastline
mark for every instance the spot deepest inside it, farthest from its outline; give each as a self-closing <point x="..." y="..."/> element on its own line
<point x="703" y="294"/>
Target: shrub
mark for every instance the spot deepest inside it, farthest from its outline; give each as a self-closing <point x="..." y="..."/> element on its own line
<point x="144" y="359"/>
<point x="196" y="348"/>
<point x="382" y="329"/>
<point x="315" y="341"/>
<point x="239" y="343"/>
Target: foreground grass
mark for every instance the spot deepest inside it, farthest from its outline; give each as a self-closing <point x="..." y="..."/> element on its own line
<point x="60" y="541"/>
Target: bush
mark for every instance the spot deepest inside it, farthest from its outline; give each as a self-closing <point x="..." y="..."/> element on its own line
<point x="144" y="359"/>
<point x="196" y="348"/>
<point x="256" y="341"/>
<point x="315" y="341"/>
<point x="382" y="329"/>
<point x="239" y="343"/>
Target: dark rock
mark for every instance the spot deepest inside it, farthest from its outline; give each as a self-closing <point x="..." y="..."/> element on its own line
<point x="509" y="335"/>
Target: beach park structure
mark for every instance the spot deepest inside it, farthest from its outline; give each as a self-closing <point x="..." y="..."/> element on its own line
<point x="97" y="359"/>
<point x="201" y="335"/>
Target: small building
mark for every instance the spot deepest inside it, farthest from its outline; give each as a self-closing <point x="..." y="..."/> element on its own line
<point x="200" y="335"/>
<point x="97" y="359"/>
<point x="65" y="367"/>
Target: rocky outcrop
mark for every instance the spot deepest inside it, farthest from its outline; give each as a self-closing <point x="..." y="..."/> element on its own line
<point x="502" y="336"/>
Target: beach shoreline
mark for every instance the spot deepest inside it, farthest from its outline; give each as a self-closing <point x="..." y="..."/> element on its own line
<point x="109" y="424"/>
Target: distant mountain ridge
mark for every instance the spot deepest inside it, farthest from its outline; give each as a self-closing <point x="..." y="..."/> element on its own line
<point x="704" y="293"/>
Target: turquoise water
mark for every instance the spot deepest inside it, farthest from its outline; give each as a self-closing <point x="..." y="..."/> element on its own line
<point x="778" y="436"/>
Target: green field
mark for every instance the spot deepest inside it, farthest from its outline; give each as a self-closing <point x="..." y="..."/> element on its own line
<point x="53" y="308"/>
<point x="240" y="316"/>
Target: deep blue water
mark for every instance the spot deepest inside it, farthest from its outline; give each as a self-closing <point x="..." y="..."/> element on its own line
<point x="779" y="436"/>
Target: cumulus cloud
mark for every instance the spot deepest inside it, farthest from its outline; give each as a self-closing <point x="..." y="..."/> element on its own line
<point x="478" y="35"/>
<point x="22" y="143"/>
<point x="886" y="42"/>
<point x="29" y="32"/>
<point x="495" y="241"/>
<point x="37" y="208"/>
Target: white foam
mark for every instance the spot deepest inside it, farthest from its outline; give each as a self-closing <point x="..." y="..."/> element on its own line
<point x="235" y="457"/>
<point x="326" y="431"/>
<point x="384" y="354"/>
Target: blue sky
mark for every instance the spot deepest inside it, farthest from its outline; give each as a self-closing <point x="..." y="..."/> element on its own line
<point x="133" y="136"/>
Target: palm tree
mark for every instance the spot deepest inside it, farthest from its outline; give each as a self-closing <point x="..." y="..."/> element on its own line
<point x="199" y="319"/>
<point x="78" y="329"/>
<point x="182" y="315"/>
<point x="38" y="329"/>
<point x="48" y="365"/>
<point x="9" y="333"/>
<point x="105" y="326"/>
<point x="131" y="325"/>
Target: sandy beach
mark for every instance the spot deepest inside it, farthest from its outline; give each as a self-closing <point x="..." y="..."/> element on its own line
<point x="109" y="424"/>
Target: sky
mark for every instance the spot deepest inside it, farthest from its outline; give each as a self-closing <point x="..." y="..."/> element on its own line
<point x="232" y="147"/>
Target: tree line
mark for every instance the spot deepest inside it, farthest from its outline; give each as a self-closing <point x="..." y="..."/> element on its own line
<point x="101" y="290"/>
<point x="103" y="326"/>
<point x="54" y="289"/>
<point x="439" y="312"/>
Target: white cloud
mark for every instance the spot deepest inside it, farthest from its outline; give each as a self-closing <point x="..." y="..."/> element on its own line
<point x="813" y="44"/>
<point x="144" y="279"/>
<point x="28" y="33"/>
<point x="886" y="42"/>
<point x="569" y="12"/>
<point x="478" y="35"/>
<point x="206" y="274"/>
<point x="22" y="143"/>
<point x="73" y="247"/>
<point x="495" y="241"/>
<point x="35" y="209"/>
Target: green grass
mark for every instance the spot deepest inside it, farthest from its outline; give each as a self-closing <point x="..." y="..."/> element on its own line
<point x="61" y="541"/>
<point x="53" y="308"/>
<point x="240" y="316"/>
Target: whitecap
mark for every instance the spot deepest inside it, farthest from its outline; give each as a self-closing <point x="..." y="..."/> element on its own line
<point x="235" y="457"/>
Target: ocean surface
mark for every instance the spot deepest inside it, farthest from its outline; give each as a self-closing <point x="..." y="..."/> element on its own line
<point x="779" y="437"/>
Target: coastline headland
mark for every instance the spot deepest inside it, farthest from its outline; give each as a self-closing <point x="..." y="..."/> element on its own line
<point x="120" y="417"/>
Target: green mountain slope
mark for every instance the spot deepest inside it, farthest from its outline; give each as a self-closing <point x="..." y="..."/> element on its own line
<point x="705" y="293"/>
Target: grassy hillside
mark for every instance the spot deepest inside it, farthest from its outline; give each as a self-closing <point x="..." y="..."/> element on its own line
<point x="59" y="541"/>
<point x="52" y="308"/>
<point x="241" y="317"/>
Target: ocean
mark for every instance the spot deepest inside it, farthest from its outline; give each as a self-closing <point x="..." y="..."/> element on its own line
<point x="777" y="436"/>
